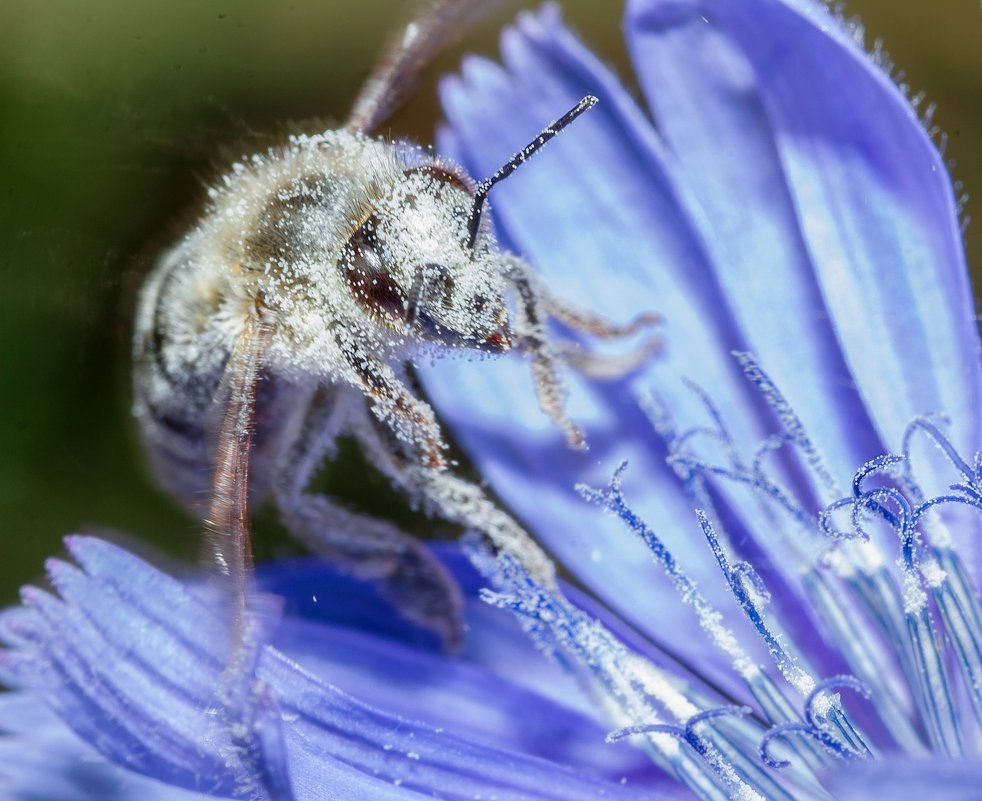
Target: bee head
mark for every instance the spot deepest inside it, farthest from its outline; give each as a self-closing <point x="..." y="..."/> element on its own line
<point x="426" y="259"/>
<point x="416" y="265"/>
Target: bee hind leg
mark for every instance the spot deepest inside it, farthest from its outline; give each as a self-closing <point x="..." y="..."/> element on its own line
<point x="393" y="77"/>
<point x="408" y="575"/>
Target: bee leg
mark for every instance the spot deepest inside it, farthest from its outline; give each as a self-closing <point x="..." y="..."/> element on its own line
<point x="407" y="573"/>
<point x="604" y="367"/>
<point x="409" y="418"/>
<point x="577" y="318"/>
<point x="529" y="328"/>
<point x="452" y="498"/>
<point x="227" y="518"/>
<point x="596" y="324"/>
<point x="394" y="75"/>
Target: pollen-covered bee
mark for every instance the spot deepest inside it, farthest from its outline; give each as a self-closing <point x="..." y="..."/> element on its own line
<point x="287" y="316"/>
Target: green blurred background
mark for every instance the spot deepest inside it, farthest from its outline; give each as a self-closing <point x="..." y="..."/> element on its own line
<point x="112" y="115"/>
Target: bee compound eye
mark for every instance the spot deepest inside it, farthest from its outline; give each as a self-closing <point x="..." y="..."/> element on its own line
<point x="371" y="282"/>
<point x="362" y="263"/>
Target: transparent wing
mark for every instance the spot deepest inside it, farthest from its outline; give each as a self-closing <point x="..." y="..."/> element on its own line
<point x="229" y="545"/>
<point x="439" y="24"/>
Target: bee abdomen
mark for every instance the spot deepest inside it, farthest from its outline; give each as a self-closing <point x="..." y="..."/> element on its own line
<point x="173" y="430"/>
<point x="179" y="423"/>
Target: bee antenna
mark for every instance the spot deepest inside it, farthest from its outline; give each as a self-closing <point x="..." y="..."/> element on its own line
<point x="516" y="161"/>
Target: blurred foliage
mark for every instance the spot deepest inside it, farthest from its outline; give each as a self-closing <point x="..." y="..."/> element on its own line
<point x="113" y="114"/>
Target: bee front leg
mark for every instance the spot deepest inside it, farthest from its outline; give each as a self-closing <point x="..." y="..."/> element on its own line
<point x="538" y="304"/>
<point x="409" y="418"/>
<point x="529" y="327"/>
<point x="569" y="314"/>
<point x="408" y="574"/>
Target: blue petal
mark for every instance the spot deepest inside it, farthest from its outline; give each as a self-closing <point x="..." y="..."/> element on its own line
<point x="40" y="758"/>
<point x="907" y="779"/>
<point x="831" y="200"/>
<point x="136" y="661"/>
<point x="705" y="96"/>
<point x="602" y="215"/>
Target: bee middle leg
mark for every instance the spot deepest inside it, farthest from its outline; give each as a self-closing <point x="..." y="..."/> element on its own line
<point x="400" y="435"/>
<point x="452" y="498"/>
<point x="411" y="420"/>
<point x="532" y="335"/>
<point x="407" y="573"/>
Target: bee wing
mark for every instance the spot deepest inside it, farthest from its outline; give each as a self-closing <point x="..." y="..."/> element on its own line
<point x="228" y="544"/>
<point x="441" y="22"/>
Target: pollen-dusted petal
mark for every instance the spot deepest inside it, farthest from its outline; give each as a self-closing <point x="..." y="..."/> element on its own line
<point x="370" y="754"/>
<point x="138" y="660"/>
<point x="20" y="665"/>
<point x="810" y="160"/>
<point x="136" y="685"/>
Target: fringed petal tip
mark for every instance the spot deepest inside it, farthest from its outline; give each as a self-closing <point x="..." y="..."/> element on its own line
<point x="138" y="669"/>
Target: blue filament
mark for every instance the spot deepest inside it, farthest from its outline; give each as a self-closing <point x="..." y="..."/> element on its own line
<point x="558" y="626"/>
<point x="939" y="500"/>
<point x="817" y="727"/>
<point x="711" y="408"/>
<point x="831" y="683"/>
<point x="764" y="487"/>
<point x="744" y="570"/>
<point x="612" y="499"/>
<point x="769" y="446"/>
<point x="818" y="735"/>
<point x="884" y="492"/>
<point x="973" y="476"/>
<point x="867" y="658"/>
<point x="703" y="745"/>
<point x="733" y="578"/>
<point x="688" y="464"/>
<point x="687" y="732"/>
<point x="656" y="410"/>
<point x="935" y="696"/>
<point x="959" y="611"/>
<point x="942" y="719"/>
<point x="790" y="422"/>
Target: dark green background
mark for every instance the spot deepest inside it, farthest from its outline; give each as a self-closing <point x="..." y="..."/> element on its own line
<point x="111" y="116"/>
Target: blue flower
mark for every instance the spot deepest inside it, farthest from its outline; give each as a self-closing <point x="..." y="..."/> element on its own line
<point x="783" y="568"/>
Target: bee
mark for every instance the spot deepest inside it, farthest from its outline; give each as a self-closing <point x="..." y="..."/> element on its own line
<point x="290" y="313"/>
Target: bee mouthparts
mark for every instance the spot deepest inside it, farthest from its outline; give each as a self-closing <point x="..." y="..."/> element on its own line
<point x="497" y="341"/>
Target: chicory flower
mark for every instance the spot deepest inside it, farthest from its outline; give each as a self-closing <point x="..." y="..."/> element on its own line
<point x="786" y="557"/>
